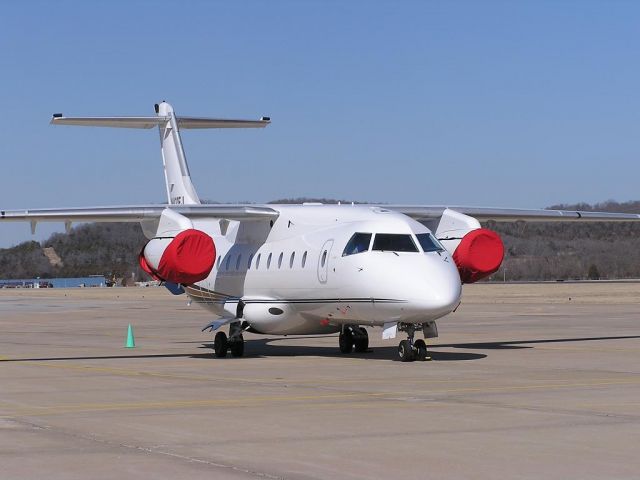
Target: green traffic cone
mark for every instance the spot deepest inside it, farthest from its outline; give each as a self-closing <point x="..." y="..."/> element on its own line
<point x="131" y="343"/>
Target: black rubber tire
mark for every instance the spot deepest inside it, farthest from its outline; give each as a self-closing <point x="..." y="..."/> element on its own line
<point x="361" y="342"/>
<point x="345" y="341"/>
<point x="237" y="347"/>
<point x="405" y="352"/>
<point x="421" y="350"/>
<point x="220" y="345"/>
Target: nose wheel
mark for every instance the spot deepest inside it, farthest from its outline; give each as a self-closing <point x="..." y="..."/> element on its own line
<point x="408" y="350"/>
<point x="420" y="350"/>
<point x="405" y="352"/>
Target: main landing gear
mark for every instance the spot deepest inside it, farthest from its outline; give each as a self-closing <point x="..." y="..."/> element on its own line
<point x="235" y="342"/>
<point x="353" y="337"/>
<point x="408" y="350"/>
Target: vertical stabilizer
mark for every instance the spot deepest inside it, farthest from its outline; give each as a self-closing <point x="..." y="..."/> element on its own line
<point x="180" y="189"/>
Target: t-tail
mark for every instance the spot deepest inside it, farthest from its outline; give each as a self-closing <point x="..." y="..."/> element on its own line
<point x="180" y="189"/>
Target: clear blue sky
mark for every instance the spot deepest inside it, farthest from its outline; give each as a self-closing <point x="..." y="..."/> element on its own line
<point x="521" y="104"/>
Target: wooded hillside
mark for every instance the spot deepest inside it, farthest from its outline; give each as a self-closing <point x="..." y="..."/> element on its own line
<point x="109" y="249"/>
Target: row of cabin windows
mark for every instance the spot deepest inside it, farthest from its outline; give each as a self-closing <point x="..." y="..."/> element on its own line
<point x="258" y="258"/>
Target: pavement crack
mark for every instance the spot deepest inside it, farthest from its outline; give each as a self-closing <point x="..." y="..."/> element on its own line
<point x="211" y="463"/>
<point x="549" y="410"/>
<point x="148" y="450"/>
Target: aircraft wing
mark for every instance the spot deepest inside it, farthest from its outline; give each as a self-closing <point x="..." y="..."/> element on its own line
<point x="137" y="213"/>
<point x="430" y="212"/>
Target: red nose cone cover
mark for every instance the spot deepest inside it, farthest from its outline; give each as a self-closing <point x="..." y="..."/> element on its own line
<point x="188" y="258"/>
<point x="479" y="254"/>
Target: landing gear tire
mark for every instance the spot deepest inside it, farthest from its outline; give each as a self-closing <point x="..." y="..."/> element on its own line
<point x="346" y="341"/>
<point x="421" y="351"/>
<point x="237" y="347"/>
<point x="361" y="342"/>
<point x="220" y="345"/>
<point x="405" y="352"/>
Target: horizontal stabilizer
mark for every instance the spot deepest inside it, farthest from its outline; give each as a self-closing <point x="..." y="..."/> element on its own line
<point x="198" y="122"/>
<point x="118" y="122"/>
<point x="150" y="122"/>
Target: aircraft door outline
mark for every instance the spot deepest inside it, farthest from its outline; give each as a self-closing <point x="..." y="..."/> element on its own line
<point x="323" y="261"/>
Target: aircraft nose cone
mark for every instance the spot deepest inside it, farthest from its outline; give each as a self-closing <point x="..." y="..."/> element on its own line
<point x="445" y="297"/>
<point x="442" y="290"/>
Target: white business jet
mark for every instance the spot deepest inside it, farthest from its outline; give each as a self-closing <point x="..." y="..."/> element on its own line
<point x="304" y="269"/>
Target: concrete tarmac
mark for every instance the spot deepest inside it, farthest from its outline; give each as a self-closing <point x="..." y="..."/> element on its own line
<point x="527" y="381"/>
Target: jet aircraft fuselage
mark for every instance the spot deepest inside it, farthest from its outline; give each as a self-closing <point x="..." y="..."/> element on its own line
<point x="319" y="267"/>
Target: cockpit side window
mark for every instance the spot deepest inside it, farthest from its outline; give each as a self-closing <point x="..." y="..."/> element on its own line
<point x="358" y="243"/>
<point x="394" y="242"/>
<point x="429" y="243"/>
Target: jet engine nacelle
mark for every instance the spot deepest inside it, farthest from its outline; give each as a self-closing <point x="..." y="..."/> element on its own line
<point x="478" y="255"/>
<point x="186" y="258"/>
<point x="477" y="251"/>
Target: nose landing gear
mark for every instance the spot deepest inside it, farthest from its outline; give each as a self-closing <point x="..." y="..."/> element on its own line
<point x="408" y="350"/>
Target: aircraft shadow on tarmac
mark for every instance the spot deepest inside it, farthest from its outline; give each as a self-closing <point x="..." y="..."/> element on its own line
<point x="516" y="344"/>
<point x="270" y="348"/>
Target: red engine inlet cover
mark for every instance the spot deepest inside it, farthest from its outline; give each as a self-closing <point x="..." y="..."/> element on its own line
<point x="479" y="254"/>
<point x="146" y="267"/>
<point x="188" y="259"/>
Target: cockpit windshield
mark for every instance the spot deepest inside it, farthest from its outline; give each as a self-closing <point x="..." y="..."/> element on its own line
<point x="394" y="242"/>
<point x="358" y="243"/>
<point x="429" y="243"/>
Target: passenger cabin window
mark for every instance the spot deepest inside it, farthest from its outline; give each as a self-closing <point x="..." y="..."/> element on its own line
<point x="249" y="262"/>
<point x="219" y="260"/>
<point x="304" y="259"/>
<point x="359" y="243"/>
<point x="293" y="257"/>
<point x="269" y="261"/>
<point x="429" y="243"/>
<point x="324" y="258"/>
<point x="394" y="242"/>
<point x="228" y="262"/>
<point x="258" y="261"/>
<point x="280" y="259"/>
<point x="238" y="262"/>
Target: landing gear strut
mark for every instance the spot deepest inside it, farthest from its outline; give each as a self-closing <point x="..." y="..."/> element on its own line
<point x="408" y="350"/>
<point x="353" y="336"/>
<point x="235" y="342"/>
